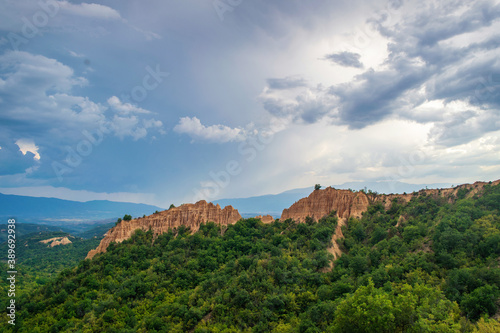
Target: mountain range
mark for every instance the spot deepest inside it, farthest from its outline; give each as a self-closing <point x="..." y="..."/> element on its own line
<point x="59" y="212"/>
<point x="54" y="211"/>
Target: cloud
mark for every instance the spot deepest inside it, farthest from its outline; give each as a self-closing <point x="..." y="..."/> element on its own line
<point x="462" y="127"/>
<point x="101" y="12"/>
<point x="38" y="102"/>
<point x="347" y="59"/>
<point x="91" y="18"/>
<point x="286" y="83"/>
<point x="445" y="52"/>
<point x="298" y="101"/>
<point x="13" y="160"/>
<point x="27" y="76"/>
<point x="214" y="133"/>
<point x="125" y="108"/>
<point x="28" y="145"/>
<point x="133" y="126"/>
<point x="90" y="10"/>
<point x="76" y="55"/>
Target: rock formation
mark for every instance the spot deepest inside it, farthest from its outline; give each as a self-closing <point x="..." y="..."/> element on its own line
<point x="188" y="215"/>
<point x="321" y="202"/>
<point x="265" y="218"/>
<point x="352" y="204"/>
<point x="56" y="241"/>
<point x="317" y="205"/>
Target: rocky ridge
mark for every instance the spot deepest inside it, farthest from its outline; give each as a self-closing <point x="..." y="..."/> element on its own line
<point x="347" y="203"/>
<point x="318" y="204"/>
<point x="188" y="215"/>
<point x="321" y="202"/>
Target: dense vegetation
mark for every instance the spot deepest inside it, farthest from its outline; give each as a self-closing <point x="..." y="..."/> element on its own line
<point x="37" y="263"/>
<point x="430" y="265"/>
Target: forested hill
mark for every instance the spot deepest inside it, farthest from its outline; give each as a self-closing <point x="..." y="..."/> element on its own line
<point x="427" y="265"/>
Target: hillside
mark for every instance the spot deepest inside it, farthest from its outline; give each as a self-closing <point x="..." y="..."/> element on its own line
<point x="24" y="229"/>
<point x="320" y="203"/>
<point x="422" y="262"/>
<point x="188" y="216"/>
<point x="43" y="255"/>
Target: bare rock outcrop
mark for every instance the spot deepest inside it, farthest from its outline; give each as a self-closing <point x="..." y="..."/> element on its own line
<point x="265" y="218"/>
<point x="188" y="215"/>
<point x="321" y="202"/>
<point x="56" y="241"/>
<point x="352" y="204"/>
<point x="318" y="204"/>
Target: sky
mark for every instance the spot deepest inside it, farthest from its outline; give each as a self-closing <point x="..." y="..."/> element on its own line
<point x="167" y="101"/>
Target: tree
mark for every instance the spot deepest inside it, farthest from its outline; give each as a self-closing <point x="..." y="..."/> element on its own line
<point x="171" y="206"/>
<point x="367" y="310"/>
<point x="127" y="217"/>
<point x="481" y="301"/>
<point x="317" y="187"/>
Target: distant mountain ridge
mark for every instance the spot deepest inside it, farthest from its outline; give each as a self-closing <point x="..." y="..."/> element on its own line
<point x="56" y="211"/>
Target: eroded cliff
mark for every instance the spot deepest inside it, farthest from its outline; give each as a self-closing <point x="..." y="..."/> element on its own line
<point x="352" y="204"/>
<point x="318" y="204"/>
<point x="321" y="202"/>
<point x="189" y="215"/>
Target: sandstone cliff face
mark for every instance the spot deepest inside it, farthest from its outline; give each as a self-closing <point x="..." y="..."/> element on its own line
<point x="321" y="202"/>
<point x="189" y="215"/>
<point x="352" y="204"/>
<point x="317" y="205"/>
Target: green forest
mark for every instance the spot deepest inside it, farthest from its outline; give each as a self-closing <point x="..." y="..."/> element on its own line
<point x="429" y="265"/>
<point x="37" y="263"/>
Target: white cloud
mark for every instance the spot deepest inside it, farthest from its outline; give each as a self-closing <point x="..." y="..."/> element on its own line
<point x="214" y="133"/>
<point x="38" y="98"/>
<point x="28" y="145"/>
<point x="29" y="76"/>
<point x="91" y="18"/>
<point x="76" y="55"/>
<point x="38" y="93"/>
<point x="90" y="10"/>
<point x="124" y="108"/>
<point x="134" y="127"/>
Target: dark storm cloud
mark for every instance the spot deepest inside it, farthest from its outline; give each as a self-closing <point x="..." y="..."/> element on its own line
<point x="423" y="64"/>
<point x="12" y="160"/>
<point x="417" y="60"/>
<point x="347" y="59"/>
<point x="286" y="83"/>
